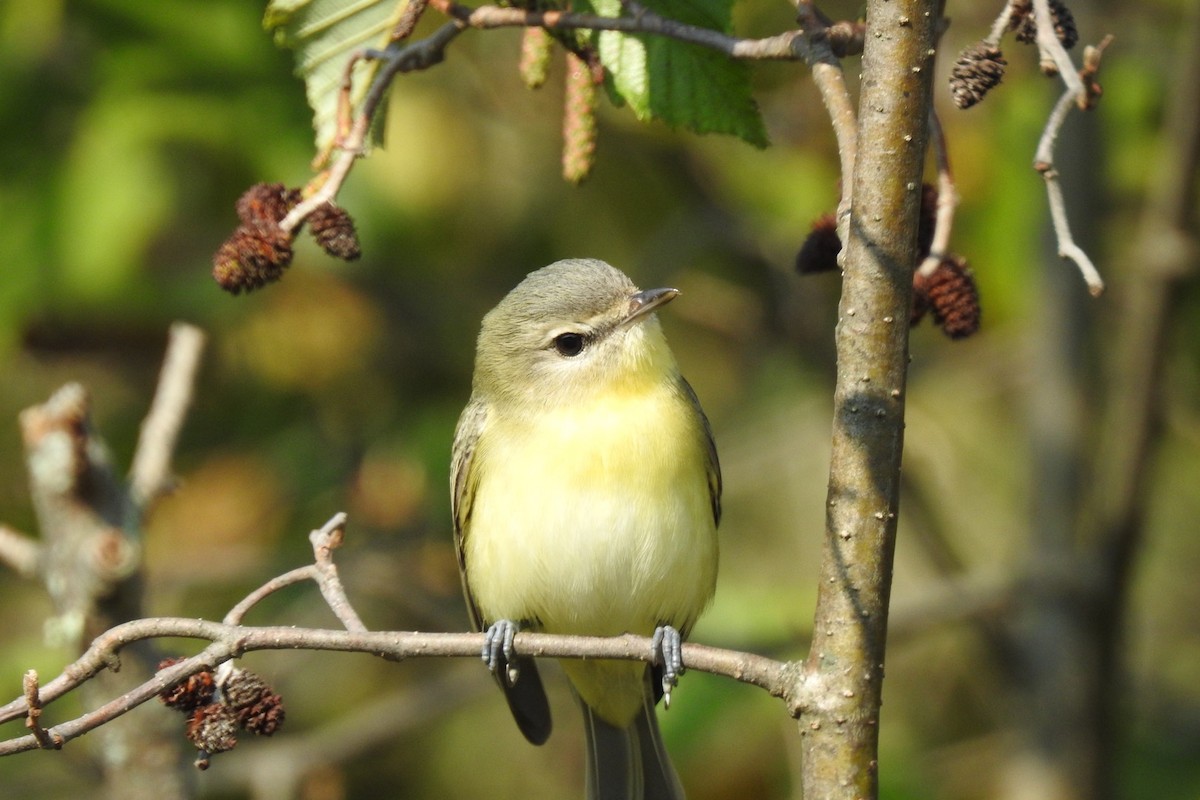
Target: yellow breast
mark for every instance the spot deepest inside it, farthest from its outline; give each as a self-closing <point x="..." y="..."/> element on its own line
<point x="596" y="518"/>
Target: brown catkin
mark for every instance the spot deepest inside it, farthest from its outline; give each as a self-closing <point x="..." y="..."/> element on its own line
<point x="977" y="71"/>
<point x="821" y="247"/>
<point x="190" y="693"/>
<point x="256" y="708"/>
<point x="1025" y="25"/>
<point x="951" y="297"/>
<point x="213" y="728"/>
<point x="255" y="255"/>
<point x="333" y="229"/>
<point x="266" y="202"/>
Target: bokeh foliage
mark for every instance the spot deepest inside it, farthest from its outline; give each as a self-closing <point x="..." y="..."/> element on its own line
<point x="129" y="128"/>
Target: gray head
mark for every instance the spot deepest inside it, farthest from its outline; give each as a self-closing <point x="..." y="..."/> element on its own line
<point x="577" y="325"/>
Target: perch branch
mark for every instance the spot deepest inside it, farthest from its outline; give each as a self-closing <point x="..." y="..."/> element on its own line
<point x="227" y="642"/>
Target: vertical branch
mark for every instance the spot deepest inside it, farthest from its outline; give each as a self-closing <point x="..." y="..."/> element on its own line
<point x="150" y="473"/>
<point x="90" y="558"/>
<point x="841" y="729"/>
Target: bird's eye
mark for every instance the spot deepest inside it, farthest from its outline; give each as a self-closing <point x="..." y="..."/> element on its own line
<point x="569" y="344"/>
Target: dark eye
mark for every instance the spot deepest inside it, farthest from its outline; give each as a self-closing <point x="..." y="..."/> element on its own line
<point x="569" y="344"/>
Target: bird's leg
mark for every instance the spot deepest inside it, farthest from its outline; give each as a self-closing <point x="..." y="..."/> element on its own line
<point x="667" y="645"/>
<point x="498" y="649"/>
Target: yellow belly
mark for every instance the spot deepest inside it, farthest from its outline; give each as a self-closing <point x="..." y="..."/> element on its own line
<point x="596" y="520"/>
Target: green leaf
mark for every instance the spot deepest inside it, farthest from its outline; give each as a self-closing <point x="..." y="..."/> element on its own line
<point x="324" y="34"/>
<point x="683" y="84"/>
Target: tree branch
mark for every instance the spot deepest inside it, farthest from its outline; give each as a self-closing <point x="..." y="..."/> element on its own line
<point x="401" y="56"/>
<point x="21" y="552"/>
<point x="781" y="47"/>
<point x="150" y="472"/>
<point x="232" y="641"/>
<point x="841" y="733"/>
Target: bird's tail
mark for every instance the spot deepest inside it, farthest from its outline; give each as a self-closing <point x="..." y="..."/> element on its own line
<point x="628" y="763"/>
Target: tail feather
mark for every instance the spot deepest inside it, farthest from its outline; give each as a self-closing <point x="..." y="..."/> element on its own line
<point x="527" y="700"/>
<point x="659" y="777"/>
<point x="628" y="763"/>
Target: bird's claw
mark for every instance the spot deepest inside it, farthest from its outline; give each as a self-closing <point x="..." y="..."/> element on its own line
<point x="667" y="645"/>
<point x="498" y="649"/>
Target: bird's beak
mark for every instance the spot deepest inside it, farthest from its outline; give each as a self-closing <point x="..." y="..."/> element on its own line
<point x="646" y="302"/>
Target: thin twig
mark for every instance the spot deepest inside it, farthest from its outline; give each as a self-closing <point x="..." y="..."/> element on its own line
<point x="1001" y="24"/>
<point x="298" y="575"/>
<point x="640" y="20"/>
<point x="325" y="540"/>
<point x="409" y="19"/>
<point x="150" y="472"/>
<point x="397" y="58"/>
<point x="322" y="572"/>
<point x="947" y="200"/>
<point x="1044" y="163"/>
<point x="1048" y="43"/>
<point x="407" y="57"/>
<point x="831" y="83"/>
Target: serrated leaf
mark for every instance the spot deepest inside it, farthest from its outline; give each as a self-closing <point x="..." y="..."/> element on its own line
<point x="324" y="34"/>
<point x="683" y="84"/>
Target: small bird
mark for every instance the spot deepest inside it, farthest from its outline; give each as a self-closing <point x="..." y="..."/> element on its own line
<point x="586" y="494"/>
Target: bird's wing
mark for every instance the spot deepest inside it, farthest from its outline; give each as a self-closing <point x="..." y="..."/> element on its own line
<point x="714" y="464"/>
<point x="463" y="483"/>
<point x="526" y="697"/>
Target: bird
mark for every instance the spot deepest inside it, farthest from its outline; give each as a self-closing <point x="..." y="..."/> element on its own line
<point x="586" y="495"/>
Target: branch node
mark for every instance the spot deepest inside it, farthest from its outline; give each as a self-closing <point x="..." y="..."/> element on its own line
<point x="33" y="700"/>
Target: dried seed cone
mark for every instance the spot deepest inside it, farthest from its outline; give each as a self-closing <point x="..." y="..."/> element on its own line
<point x="255" y="707"/>
<point x="191" y="693"/>
<point x="333" y="229"/>
<point x="978" y="69"/>
<point x="1025" y="24"/>
<point x="255" y="255"/>
<point x="579" y="121"/>
<point x="537" y="45"/>
<point x="266" y="202"/>
<point x="213" y="728"/>
<point x="821" y="247"/>
<point x="950" y="296"/>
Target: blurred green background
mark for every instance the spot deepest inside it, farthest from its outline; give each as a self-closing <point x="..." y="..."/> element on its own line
<point x="130" y="128"/>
